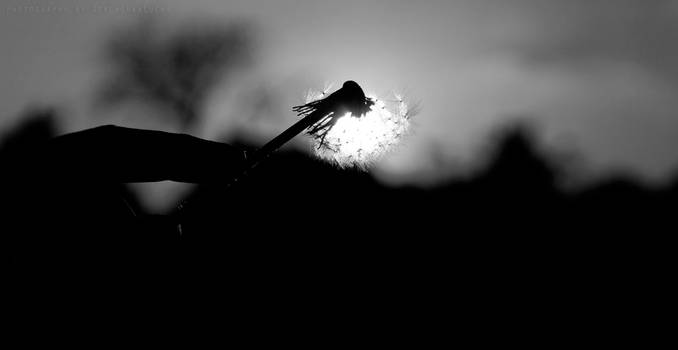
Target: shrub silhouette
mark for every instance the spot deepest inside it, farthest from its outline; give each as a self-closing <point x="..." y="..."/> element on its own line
<point x="174" y="70"/>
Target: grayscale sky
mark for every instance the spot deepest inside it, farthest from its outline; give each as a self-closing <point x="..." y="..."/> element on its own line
<point x="600" y="77"/>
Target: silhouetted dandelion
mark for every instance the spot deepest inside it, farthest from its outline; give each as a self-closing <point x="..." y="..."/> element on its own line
<point x="347" y="127"/>
<point x="355" y="130"/>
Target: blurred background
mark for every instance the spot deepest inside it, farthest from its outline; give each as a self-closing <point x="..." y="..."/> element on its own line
<point x="588" y="85"/>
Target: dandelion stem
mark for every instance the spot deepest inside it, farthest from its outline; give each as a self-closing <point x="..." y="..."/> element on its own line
<point x="265" y="151"/>
<point x="285" y="136"/>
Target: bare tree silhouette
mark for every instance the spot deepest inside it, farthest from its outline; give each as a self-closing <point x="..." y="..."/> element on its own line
<point x="173" y="70"/>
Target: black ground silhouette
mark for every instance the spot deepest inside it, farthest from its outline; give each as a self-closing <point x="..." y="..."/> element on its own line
<point x="297" y="231"/>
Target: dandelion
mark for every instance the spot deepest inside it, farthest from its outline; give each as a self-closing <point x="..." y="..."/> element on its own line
<point x="354" y="130"/>
<point x="347" y="128"/>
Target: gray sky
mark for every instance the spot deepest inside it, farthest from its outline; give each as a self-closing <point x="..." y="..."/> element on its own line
<point x="600" y="76"/>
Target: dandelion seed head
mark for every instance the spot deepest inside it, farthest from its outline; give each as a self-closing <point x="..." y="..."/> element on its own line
<point x="359" y="141"/>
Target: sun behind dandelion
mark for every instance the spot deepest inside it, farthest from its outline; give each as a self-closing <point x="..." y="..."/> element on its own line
<point x="359" y="141"/>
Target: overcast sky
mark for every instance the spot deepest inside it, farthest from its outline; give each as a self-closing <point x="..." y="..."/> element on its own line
<point x="600" y="76"/>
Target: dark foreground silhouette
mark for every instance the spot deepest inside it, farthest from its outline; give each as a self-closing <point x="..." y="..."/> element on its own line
<point x="297" y="232"/>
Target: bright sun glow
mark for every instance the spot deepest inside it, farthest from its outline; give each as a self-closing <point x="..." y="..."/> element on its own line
<point x="359" y="141"/>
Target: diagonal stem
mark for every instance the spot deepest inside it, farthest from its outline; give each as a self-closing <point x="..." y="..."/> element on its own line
<point x="257" y="157"/>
